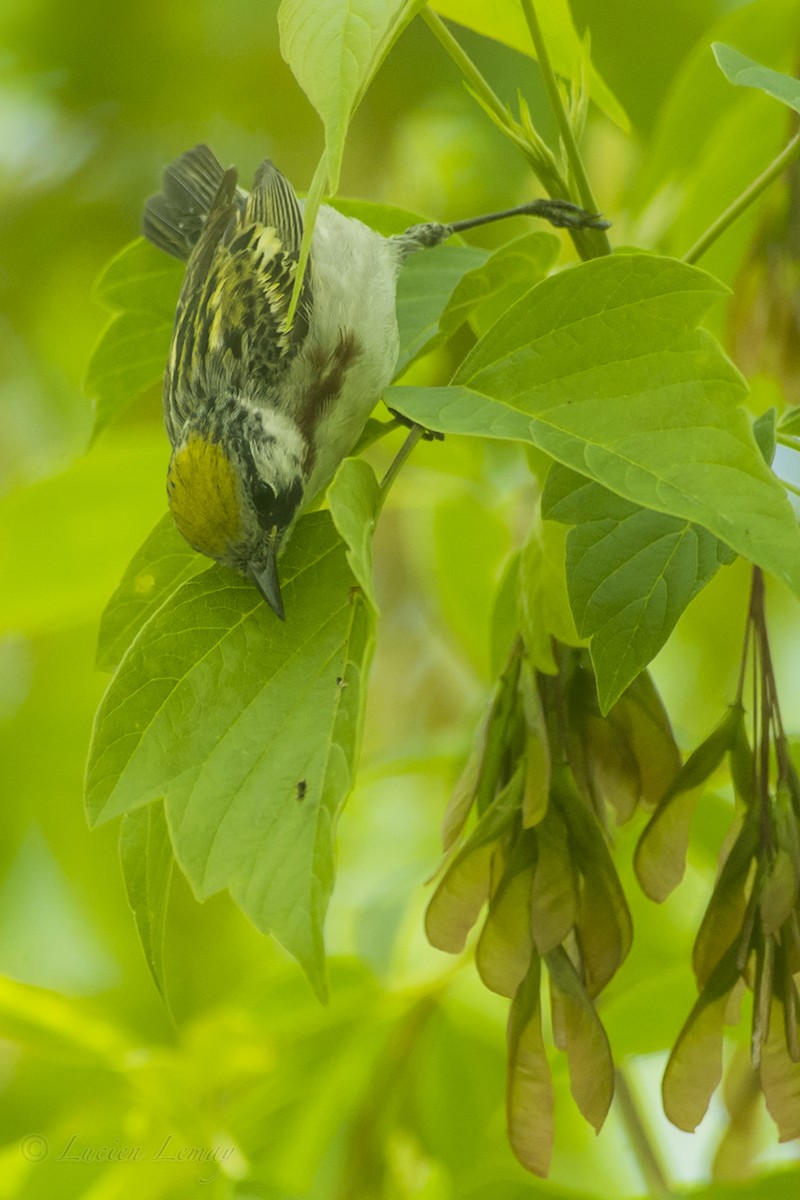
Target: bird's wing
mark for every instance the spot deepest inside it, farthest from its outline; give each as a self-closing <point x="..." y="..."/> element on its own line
<point x="232" y="332"/>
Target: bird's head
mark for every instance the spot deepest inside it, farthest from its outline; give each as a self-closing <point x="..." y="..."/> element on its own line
<point x="235" y="489"/>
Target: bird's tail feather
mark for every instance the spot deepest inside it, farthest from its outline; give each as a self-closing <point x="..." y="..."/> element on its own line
<point x="174" y="219"/>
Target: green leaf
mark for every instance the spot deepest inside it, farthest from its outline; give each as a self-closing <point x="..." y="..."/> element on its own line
<point x="160" y="565"/>
<point x="141" y="284"/>
<point x="631" y="573"/>
<point x="147" y="861"/>
<point x="249" y="729"/>
<point x="353" y="498"/>
<point x="425" y="286"/>
<point x="544" y="611"/>
<point x="140" y="279"/>
<point x="334" y="50"/>
<point x="620" y="385"/>
<point x="744" y="72"/>
<point x="487" y="291"/>
<point x="504" y="21"/>
<point x="130" y="356"/>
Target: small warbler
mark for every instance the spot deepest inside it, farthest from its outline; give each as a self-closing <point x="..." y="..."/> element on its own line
<point x="259" y="410"/>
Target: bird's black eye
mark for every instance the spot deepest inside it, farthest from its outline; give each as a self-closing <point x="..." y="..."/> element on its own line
<point x="276" y="508"/>
<point x="265" y="502"/>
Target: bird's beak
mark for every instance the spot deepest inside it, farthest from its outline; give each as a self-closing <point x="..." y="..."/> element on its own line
<point x="267" y="582"/>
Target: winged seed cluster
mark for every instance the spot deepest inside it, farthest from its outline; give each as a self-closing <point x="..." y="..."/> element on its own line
<point x="544" y="769"/>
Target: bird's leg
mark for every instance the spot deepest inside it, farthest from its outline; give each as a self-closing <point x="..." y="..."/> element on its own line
<point x="561" y="213"/>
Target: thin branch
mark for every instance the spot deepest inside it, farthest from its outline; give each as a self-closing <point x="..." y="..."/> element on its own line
<point x="466" y="66"/>
<point x="644" y="1151"/>
<point x="414" y="435"/>
<point x="742" y="202"/>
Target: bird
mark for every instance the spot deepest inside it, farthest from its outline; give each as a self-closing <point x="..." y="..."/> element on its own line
<point x="260" y="408"/>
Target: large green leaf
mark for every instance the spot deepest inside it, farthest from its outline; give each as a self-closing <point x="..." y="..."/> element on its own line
<point x="147" y="860"/>
<point x="354" y="498"/>
<point x="426" y="283"/>
<point x="334" y="50"/>
<point x="141" y="284"/>
<point x="619" y="384"/>
<point x="160" y="565"/>
<point x="631" y="572"/>
<point x="488" y="290"/>
<point x="249" y="729"/>
<point x="504" y="21"/>
<point x="743" y="71"/>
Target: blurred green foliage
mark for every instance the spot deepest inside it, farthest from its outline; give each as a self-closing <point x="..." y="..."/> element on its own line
<point x="396" y="1088"/>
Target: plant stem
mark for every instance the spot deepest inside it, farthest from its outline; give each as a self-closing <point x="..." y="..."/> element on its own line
<point x="414" y="435"/>
<point x="588" y="242"/>
<point x="465" y="65"/>
<point x="641" y="1142"/>
<point x="567" y="135"/>
<point x="742" y="202"/>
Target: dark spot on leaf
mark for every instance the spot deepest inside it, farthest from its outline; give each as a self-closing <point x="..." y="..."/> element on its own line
<point x="301" y="789"/>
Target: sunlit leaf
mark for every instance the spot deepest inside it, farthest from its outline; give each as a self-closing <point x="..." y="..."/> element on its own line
<point x="529" y="1092"/>
<point x="505" y="22"/>
<point x="743" y="71"/>
<point x="141" y="284"/>
<point x="334" y="51"/>
<point x="130" y="356"/>
<point x="353" y="498"/>
<point x="619" y="384"/>
<point x="544" y="611"/>
<point x="631" y="572"/>
<point x="142" y="279"/>
<point x="147" y="862"/>
<point x="160" y="565"/>
<point x="424" y="288"/>
<point x="488" y="290"/>
<point x="249" y="729"/>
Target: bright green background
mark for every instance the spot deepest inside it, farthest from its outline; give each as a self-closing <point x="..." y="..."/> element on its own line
<point x="395" y="1089"/>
